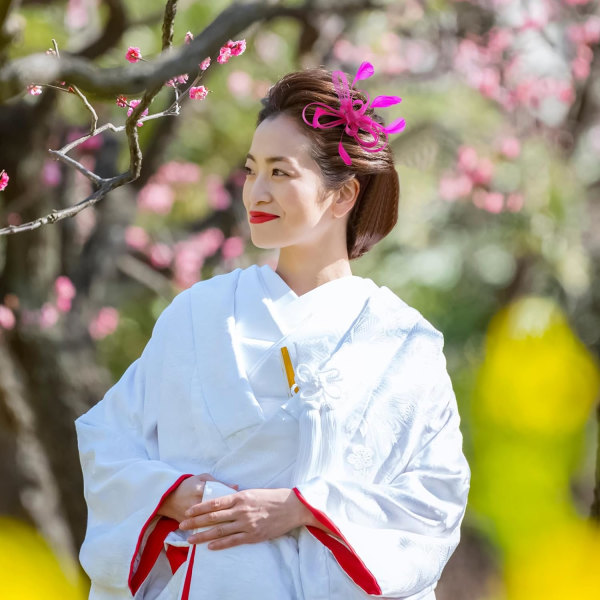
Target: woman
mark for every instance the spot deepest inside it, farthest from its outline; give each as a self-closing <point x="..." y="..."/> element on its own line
<point x="290" y="433"/>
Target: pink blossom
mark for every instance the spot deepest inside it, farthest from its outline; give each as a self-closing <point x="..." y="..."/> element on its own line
<point x="209" y="240"/>
<point x="4" y="178"/>
<point x="178" y="172"/>
<point x="514" y="202"/>
<point x="51" y="174"/>
<point x="133" y="54"/>
<point x="510" y="147"/>
<point x="63" y="304"/>
<point x="188" y="264"/>
<point x="218" y="197"/>
<point x="161" y="255"/>
<point x="239" y="83"/>
<point x="48" y="315"/>
<point x="122" y="101"/>
<point x="178" y="80"/>
<point x="451" y="187"/>
<point x="580" y="68"/>
<point x="489" y="82"/>
<point x="591" y="30"/>
<point x="136" y="237"/>
<point x="64" y="288"/>
<point x="236" y="47"/>
<point x="34" y="90"/>
<point x="232" y="247"/>
<point x="156" y="197"/>
<point x="224" y="55"/>
<point x="205" y="63"/>
<point x="132" y="105"/>
<point x="490" y="201"/>
<point x="499" y="40"/>
<point x="198" y="93"/>
<point x="104" y="323"/>
<point x="467" y="158"/>
<point x="482" y="174"/>
<point x="189" y="36"/>
<point x="7" y="317"/>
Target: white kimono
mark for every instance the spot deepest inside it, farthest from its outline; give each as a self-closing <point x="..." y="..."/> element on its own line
<point x="370" y="444"/>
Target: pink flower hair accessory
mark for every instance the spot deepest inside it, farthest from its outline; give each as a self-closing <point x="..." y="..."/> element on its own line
<point x="354" y="119"/>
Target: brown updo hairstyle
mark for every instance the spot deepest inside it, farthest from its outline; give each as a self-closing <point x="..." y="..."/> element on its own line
<point x="375" y="212"/>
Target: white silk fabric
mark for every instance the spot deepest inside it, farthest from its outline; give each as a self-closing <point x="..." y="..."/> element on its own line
<point x="371" y="443"/>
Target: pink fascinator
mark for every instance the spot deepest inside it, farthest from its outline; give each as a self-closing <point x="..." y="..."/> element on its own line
<point x="354" y="119"/>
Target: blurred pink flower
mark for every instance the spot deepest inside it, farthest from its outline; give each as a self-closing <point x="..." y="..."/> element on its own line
<point x="63" y="304"/>
<point x="104" y="323"/>
<point x="232" y="247"/>
<point x="51" y="174"/>
<point x="510" y="147"/>
<point x="453" y="187"/>
<point x="7" y="317"/>
<point x="239" y="83"/>
<point x="48" y="315"/>
<point x="133" y="54"/>
<point x="205" y="63"/>
<point x="492" y="202"/>
<point x="189" y="37"/>
<point x="198" y="92"/>
<point x="482" y="174"/>
<point x="156" y="197"/>
<point x="188" y="264"/>
<point x="161" y="255"/>
<point x="178" y="172"/>
<point x="34" y="90"/>
<point x="64" y="288"/>
<point x="136" y="237"/>
<point x="467" y="158"/>
<point x="514" y="202"/>
<point x="14" y="218"/>
<point x="218" y="197"/>
<point x="209" y="240"/>
<point x="4" y="178"/>
<point x="121" y="101"/>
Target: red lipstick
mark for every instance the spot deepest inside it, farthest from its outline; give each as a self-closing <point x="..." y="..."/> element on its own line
<point x="261" y="217"/>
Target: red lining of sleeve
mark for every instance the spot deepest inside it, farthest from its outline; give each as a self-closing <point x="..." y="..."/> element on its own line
<point x="344" y="554"/>
<point x="176" y="555"/>
<point x="188" y="576"/>
<point x="154" y="543"/>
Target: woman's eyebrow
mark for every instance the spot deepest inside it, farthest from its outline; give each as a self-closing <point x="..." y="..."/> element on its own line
<point x="270" y="159"/>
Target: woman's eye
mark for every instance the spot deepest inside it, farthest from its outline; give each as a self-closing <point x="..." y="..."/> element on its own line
<point x="248" y="171"/>
<point x="279" y="171"/>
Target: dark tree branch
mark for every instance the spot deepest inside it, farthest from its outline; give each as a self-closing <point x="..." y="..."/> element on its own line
<point x="107" y="83"/>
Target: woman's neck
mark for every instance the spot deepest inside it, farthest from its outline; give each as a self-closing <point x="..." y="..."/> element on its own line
<point x="304" y="272"/>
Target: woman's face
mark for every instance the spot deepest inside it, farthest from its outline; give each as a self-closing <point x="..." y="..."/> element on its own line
<point x="283" y="180"/>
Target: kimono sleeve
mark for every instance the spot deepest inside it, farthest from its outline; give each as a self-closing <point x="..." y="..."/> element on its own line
<point x="393" y="539"/>
<point x="124" y="481"/>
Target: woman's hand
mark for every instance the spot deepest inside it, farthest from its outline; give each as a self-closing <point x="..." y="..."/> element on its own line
<point x="188" y="493"/>
<point x="246" y="517"/>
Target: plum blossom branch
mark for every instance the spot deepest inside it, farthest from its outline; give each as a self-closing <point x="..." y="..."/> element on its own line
<point x="109" y="82"/>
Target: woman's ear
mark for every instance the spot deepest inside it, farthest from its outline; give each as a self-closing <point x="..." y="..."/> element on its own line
<point x="346" y="197"/>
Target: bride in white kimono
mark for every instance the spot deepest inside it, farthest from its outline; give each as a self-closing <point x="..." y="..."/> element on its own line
<point x="287" y="434"/>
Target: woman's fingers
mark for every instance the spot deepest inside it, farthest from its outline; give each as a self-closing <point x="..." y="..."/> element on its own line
<point x="220" y="516"/>
<point x="223" y="502"/>
<point x="237" y="539"/>
<point x="215" y="533"/>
